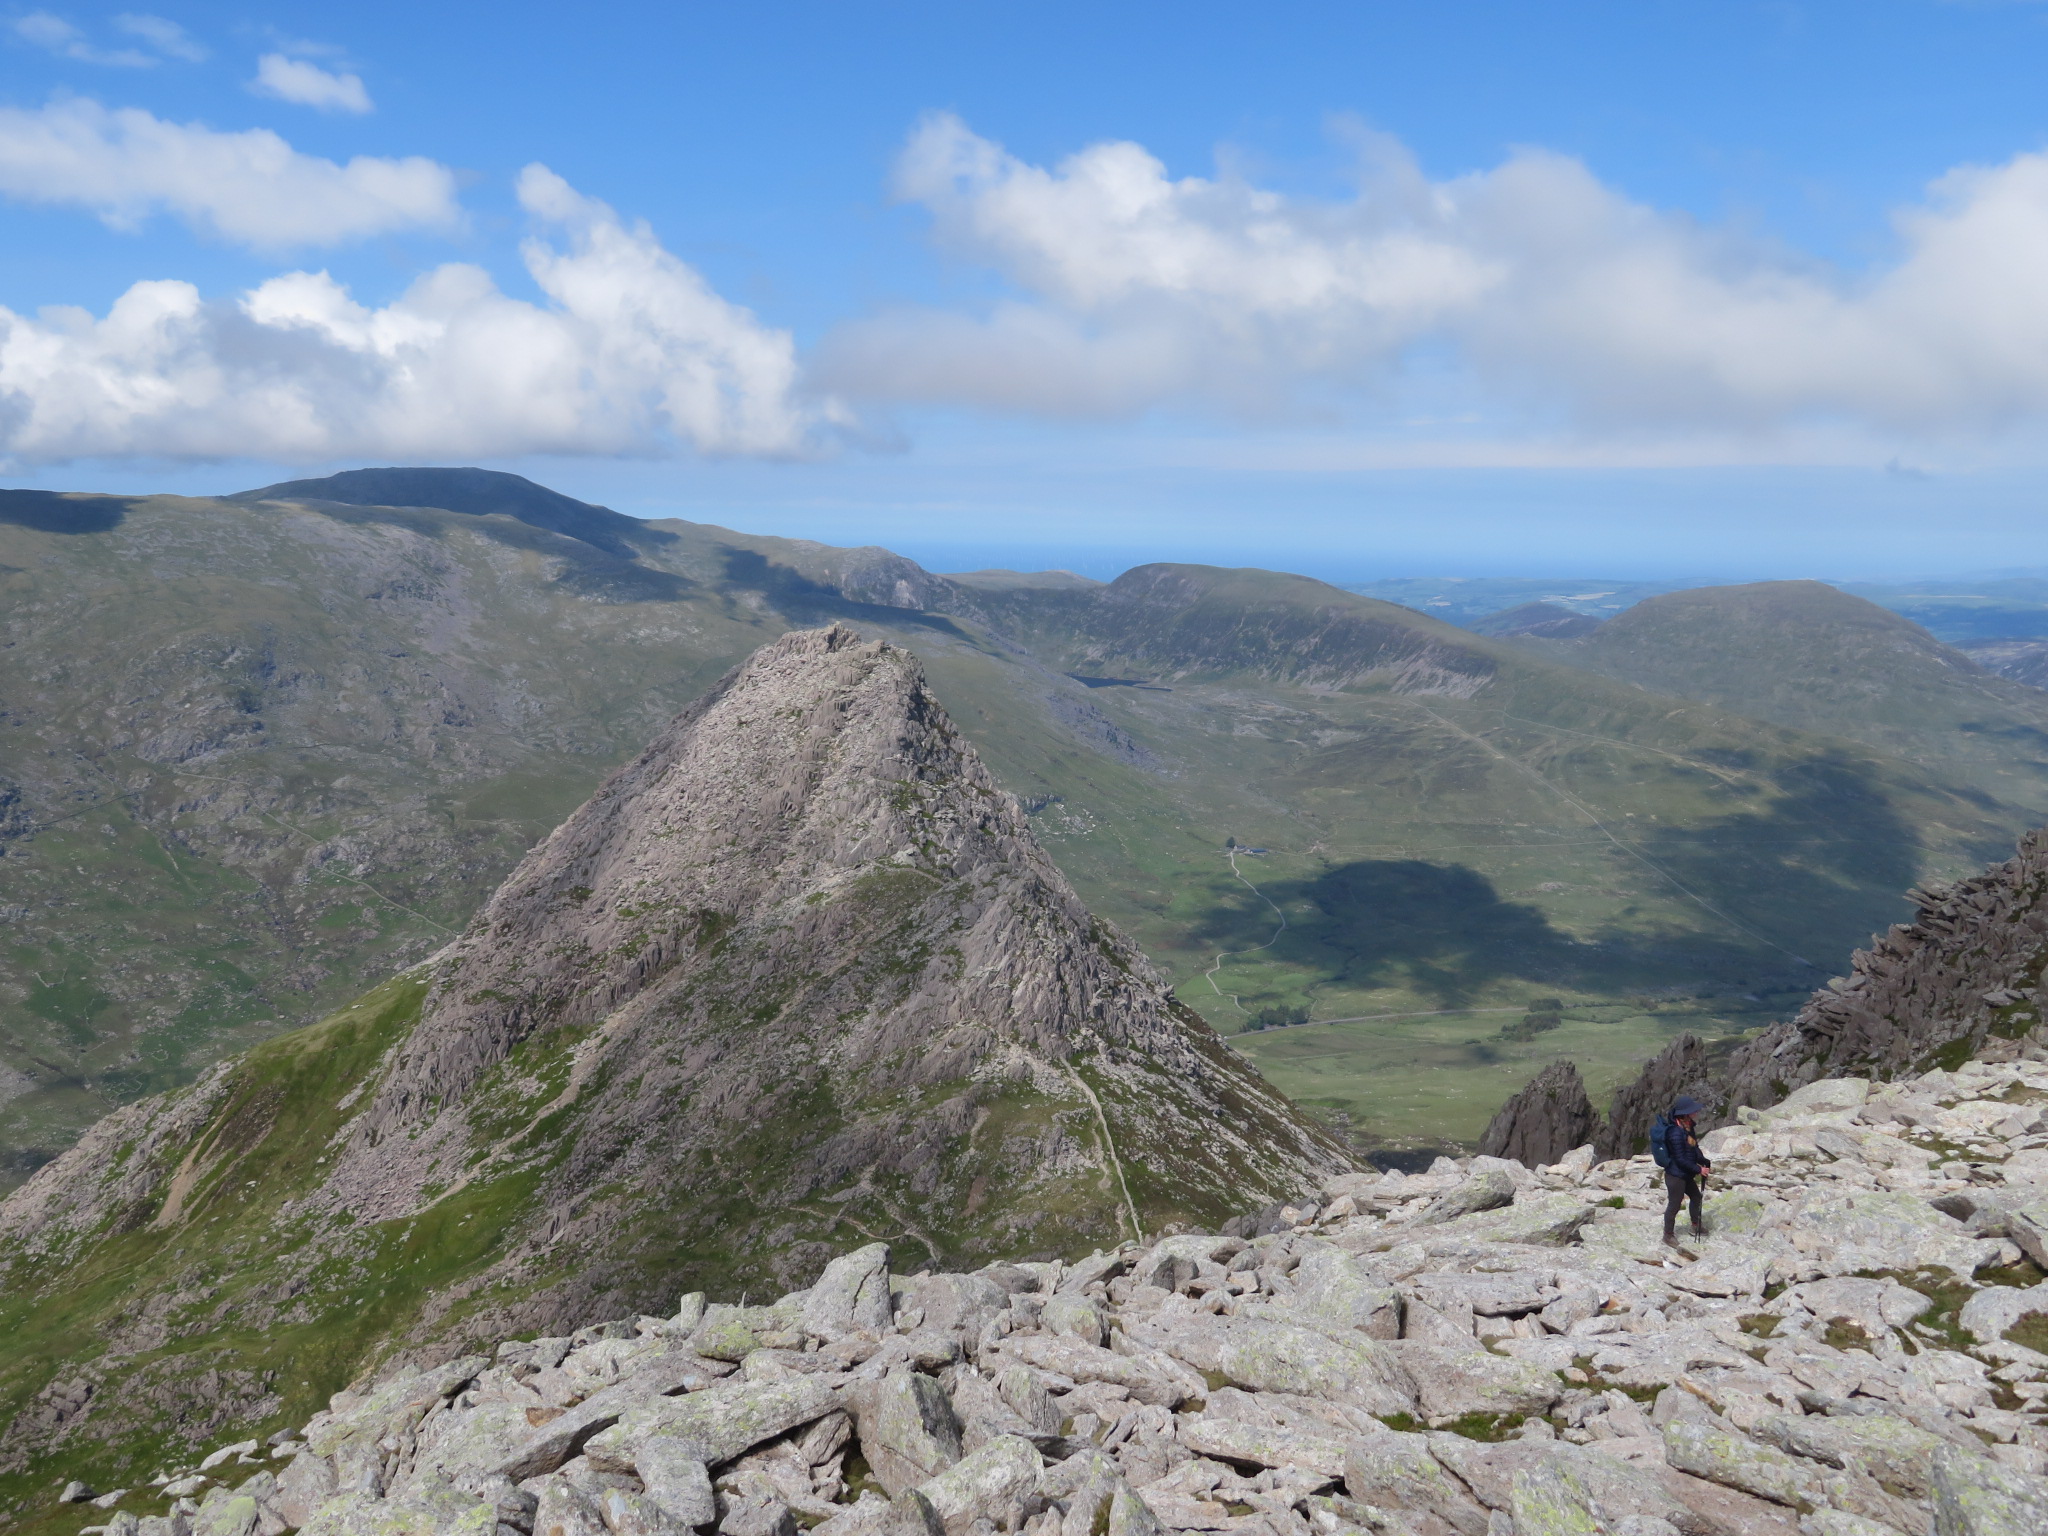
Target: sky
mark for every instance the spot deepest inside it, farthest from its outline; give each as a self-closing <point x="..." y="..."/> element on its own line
<point x="1369" y="289"/>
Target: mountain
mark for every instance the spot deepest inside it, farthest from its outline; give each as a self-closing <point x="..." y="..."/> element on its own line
<point x="474" y="492"/>
<point x="795" y="976"/>
<point x="258" y="752"/>
<point x="1808" y="656"/>
<point x="1546" y="621"/>
<point x="2024" y="661"/>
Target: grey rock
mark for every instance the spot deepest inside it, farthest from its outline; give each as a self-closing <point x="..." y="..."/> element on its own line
<point x="676" y="1480"/>
<point x="712" y="1426"/>
<point x="1335" y="1287"/>
<point x="1996" y="1308"/>
<point x="852" y="1294"/>
<point x="1974" y="1496"/>
<point x="1888" y="1448"/>
<point x="1737" y="1462"/>
<point x="306" y="1483"/>
<point x="1278" y="1357"/>
<point x="907" y="1427"/>
<point x="1543" y="1122"/>
<point x="1449" y="1384"/>
<point x="1486" y="1190"/>
<point x="1077" y="1317"/>
<point x="991" y="1484"/>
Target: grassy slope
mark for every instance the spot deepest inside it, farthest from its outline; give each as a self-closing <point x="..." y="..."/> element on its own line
<point x="1804" y="655"/>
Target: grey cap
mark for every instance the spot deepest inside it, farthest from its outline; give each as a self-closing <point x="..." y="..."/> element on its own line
<point x="1687" y="1105"/>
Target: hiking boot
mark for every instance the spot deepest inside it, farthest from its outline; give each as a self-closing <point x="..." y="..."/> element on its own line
<point x="1698" y="1233"/>
<point x="1671" y="1239"/>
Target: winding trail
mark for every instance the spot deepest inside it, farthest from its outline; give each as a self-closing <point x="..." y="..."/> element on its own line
<point x="1223" y="954"/>
<point x="1109" y="1146"/>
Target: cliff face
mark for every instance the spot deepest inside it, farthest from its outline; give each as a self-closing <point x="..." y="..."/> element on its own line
<point x="797" y="976"/>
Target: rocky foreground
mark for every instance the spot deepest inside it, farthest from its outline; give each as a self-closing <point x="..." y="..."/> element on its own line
<point x="1479" y="1350"/>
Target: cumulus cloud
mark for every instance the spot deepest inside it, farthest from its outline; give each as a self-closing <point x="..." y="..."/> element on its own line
<point x="250" y="187"/>
<point x="1136" y="288"/>
<point x="308" y="85"/>
<point x="631" y="352"/>
<point x="165" y="39"/>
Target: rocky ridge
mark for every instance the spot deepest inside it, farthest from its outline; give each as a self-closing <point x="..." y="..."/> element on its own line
<point x="1960" y="981"/>
<point x="1484" y="1349"/>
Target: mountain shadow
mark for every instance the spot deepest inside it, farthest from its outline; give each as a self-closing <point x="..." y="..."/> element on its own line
<point x="1441" y="928"/>
<point x="1806" y="871"/>
<point x="1777" y="888"/>
<point x="804" y="601"/>
<point x="475" y="493"/>
<point x="57" y="512"/>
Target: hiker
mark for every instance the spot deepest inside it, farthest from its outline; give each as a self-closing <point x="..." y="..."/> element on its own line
<point x="1683" y="1163"/>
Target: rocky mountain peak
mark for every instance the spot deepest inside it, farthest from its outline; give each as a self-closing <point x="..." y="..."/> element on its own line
<point x="817" y="812"/>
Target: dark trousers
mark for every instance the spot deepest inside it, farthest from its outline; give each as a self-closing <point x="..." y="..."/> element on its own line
<point x="1678" y="1189"/>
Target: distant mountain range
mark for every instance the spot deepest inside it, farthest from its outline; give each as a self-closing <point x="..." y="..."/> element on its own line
<point x="258" y="751"/>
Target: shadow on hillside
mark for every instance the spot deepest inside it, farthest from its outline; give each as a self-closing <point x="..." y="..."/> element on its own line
<point x="585" y="568"/>
<point x="54" y="512"/>
<point x="1817" y="870"/>
<point x="804" y="601"/>
<point x="1784" y="892"/>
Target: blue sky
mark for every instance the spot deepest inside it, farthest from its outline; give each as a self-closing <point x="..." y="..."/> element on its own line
<point x="1365" y="289"/>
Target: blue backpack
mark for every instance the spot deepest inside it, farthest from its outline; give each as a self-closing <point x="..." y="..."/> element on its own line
<point x="1660" y="1149"/>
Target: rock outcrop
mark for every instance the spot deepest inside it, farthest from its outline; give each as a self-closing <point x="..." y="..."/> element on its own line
<point x="1849" y="1352"/>
<point x="1545" y="1120"/>
<point x="798" y="975"/>
<point x="1960" y="981"/>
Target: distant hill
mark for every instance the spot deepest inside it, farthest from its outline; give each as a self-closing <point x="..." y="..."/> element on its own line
<point x="1813" y="658"/>
<point x="1544" y="621"/>
<point x="476" y="492"/>
<point x="2024" y="661"/>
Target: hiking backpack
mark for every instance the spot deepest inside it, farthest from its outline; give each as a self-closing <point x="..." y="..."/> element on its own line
<point x="1660" y="1148"/>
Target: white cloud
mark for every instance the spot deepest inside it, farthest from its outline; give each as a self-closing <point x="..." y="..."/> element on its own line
<point x="250" y="187"/>
<point x="166" y="37"/>
<point x="166" y="40"/>
<point x="1556" y="294"/>
<point x="308" y="85"/>
<point x="631" y="352"/>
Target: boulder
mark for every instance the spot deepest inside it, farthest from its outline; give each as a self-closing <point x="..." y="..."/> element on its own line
<point x="852" y="1295"/>
<point x="1974" y="1496"/>
<point x="1235" y="1440"/>
<point x="907" y="1427"/>
<point x="1147" y="1375"/>
<point x="1888" y="1448"/>
<point x="1333" y="1287"/>
<point x="1995" y="1309"/>
<point x="1449" y="1384"/>
<point x="712" y="1426"/>
<point x="1735" y="1461"/>
<point x="1279" y="1357"/>
<point x="1486" y="1190"/>
<point x="677" y="1481"/>
<point x="992" y="1484"/>
<point x="1398" y="1471"/>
